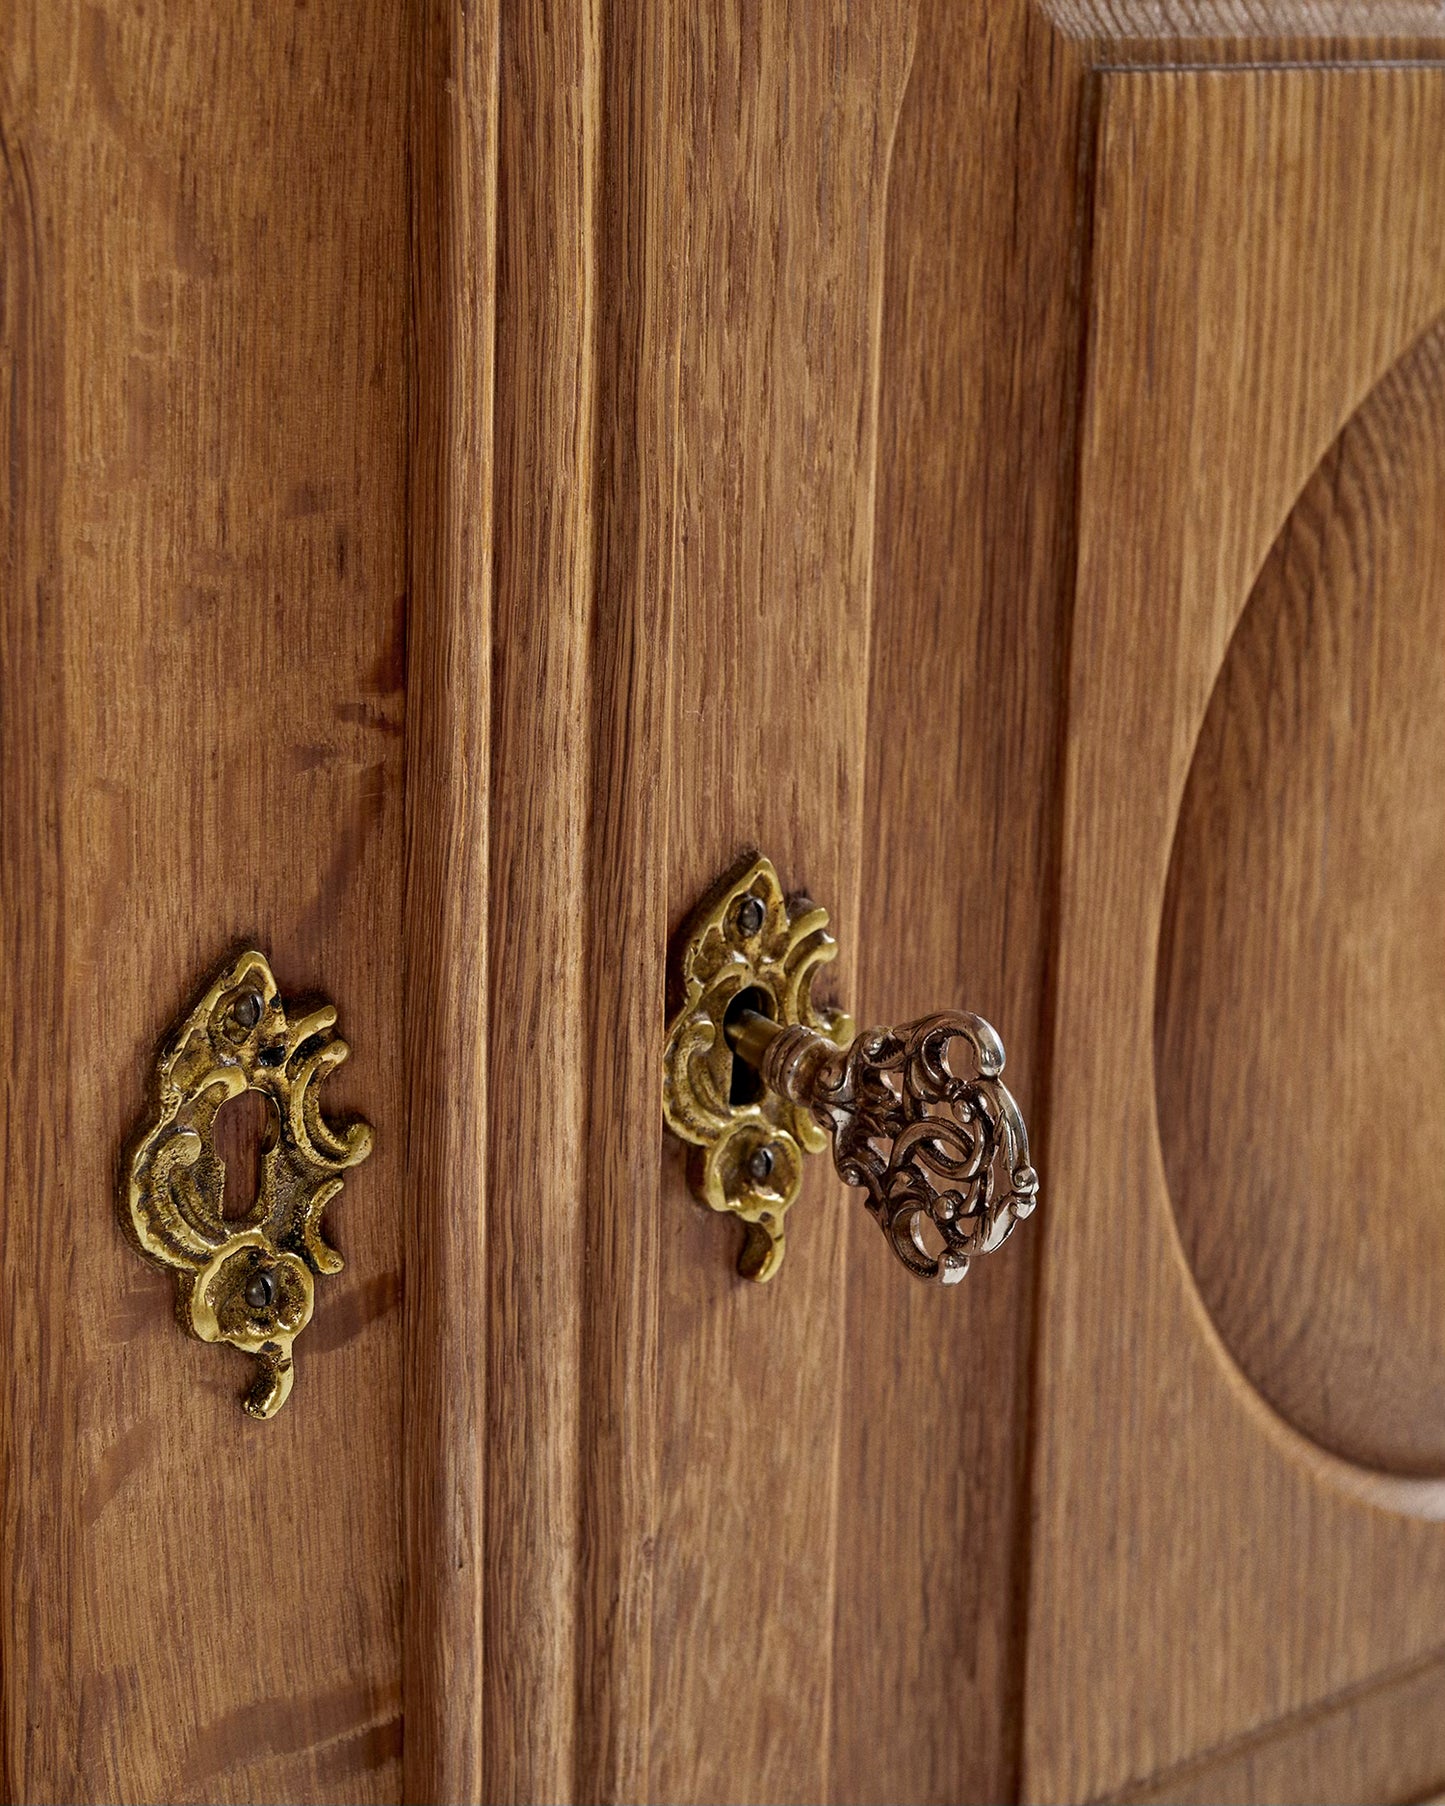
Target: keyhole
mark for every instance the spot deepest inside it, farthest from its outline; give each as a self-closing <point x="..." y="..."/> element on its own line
<point x="246" y="1126"/>
<point x="746" y="1086"/>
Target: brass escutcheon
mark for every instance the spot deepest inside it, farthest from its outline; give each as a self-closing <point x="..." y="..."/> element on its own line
<point x="747" y="942"/>
<point x="244" y="1280"/>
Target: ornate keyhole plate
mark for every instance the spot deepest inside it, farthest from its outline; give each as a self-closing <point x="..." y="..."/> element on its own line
<point x="246" y="1279"/>
<point x="747" y="942"/>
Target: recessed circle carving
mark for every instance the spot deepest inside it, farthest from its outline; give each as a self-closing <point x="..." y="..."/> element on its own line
<point x="1300" y="1013"/>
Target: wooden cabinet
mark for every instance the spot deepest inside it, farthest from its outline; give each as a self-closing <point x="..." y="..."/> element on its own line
<point x="472" y="472"/>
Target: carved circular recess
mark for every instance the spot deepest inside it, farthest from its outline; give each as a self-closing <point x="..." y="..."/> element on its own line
<point x="1300" y="1015"/>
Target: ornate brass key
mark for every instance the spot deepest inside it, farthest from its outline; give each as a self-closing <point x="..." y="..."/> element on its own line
<point x="755" y="1075"/>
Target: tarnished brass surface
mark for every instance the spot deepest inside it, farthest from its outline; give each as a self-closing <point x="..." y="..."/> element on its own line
<point x="720" y="960"/>
<point x="755" y="1076"/>
<point x="922" y="1120"/>
<point x="242" y="1279"/>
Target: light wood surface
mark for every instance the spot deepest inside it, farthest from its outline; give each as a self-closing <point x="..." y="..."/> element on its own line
<point x="786" y="122"/>
<point x="1300" y="1053"/>
<point x="641" y="203"/>
<point x="453" y="167"/>
<point x="1199" y="1569"/>
<point x="204" y="670"/>
<point x="587" y="309"/>
<point x="1267" y="31"/>
<point x="727" y="483"/>
<point x="1377" y="1741"/>
<point x="972" y="576"/>
<point x="853" y="431"/>
<point x="539" y="945"/>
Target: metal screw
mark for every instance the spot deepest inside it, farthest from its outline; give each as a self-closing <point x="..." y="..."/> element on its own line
<point x="760" y="1163"/>
<point x="247" y="1009"/>
<point x="260" y="1291"/>
<point x="750" y="916"/>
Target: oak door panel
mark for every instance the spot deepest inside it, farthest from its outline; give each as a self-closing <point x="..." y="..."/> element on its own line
<point x="204" y="666"/>
<point x="1302" y="922"/>
<point x="1377" y="1741"/>
<point x="1267" y="245"/>
<point x="972" y="576"/>
<point x="786" y="123"/>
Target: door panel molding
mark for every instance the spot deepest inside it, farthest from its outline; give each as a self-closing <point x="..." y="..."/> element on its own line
<point x="1234" y="328"/>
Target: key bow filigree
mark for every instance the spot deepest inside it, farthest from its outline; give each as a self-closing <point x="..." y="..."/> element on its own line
<point x="934" y="1148"/>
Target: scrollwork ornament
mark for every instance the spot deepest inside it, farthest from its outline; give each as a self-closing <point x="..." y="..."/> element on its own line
<point x="923" y="1123"/>
<point x="247" y="1279"/>
<point x="747" y="940"/>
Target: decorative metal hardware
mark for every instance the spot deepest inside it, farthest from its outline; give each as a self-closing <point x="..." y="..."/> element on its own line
<point x="919" y="1115"/>
<point x="747" y="942"/>
<point x="246" y="1280"/>
<point x="934" y="1144"/>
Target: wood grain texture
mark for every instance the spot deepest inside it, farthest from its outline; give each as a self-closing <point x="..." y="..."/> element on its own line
<point x="736" y="505"/>
<point x="973" y="574"/>
<point x="588" y="333"/>
<point x="573" y="874"/>
<point x="642" y="203"/>
<point x="1199" y="1570"/>
<point x="1269" y="30"/>
<point x="783" y="125"/>
<point x="710" y="246"/>
<point x="1378" y="1741"/>
<point x="454" y="76"/>
<point x="539" y="971"/>
<point x="203" y="673"/>
<point x="1300" y="1023"/>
